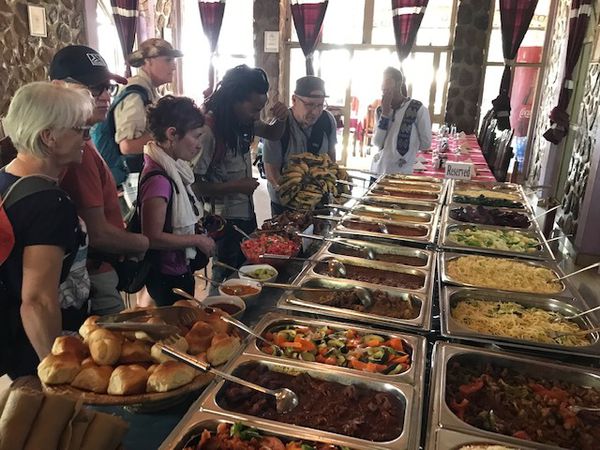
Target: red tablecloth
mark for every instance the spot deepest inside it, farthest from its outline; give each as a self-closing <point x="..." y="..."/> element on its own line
<point x="474" y="155"/>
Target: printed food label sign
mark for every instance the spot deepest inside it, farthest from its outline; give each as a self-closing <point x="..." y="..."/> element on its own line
<point x="459" y="170"/>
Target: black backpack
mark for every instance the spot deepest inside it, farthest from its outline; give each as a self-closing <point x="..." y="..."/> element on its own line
<point x="322" y="127"/>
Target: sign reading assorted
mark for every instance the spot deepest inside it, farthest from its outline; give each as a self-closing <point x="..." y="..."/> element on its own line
<point x="459" y="170"/>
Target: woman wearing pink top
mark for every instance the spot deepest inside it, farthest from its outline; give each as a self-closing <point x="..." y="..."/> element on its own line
<point x="169" y="208"/>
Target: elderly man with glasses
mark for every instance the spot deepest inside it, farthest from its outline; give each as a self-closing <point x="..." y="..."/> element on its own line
<point x="310" y="128"/>
<point x="91" y="185"/>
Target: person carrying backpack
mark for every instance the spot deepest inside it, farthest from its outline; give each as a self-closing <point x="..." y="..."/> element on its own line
<point x="310" y="128"/>
<point x="46" y="123"/>
<point x="120" y="139"/>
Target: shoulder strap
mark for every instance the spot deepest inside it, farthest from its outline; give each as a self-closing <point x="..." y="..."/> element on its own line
<point x="131" y="89"/>
<point x="26" y="186"/>
<point x="321" y="128"/>
<point x="285" y="137"/>
<point x="168" y="227"/>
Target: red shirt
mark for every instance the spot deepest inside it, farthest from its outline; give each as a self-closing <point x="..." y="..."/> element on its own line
<point x="91" y="185"/>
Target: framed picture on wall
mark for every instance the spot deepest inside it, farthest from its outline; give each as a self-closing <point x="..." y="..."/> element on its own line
<point x="37" y="21"/>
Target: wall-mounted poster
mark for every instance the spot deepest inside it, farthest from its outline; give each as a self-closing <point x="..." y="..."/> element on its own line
<point x="37" y="21"/>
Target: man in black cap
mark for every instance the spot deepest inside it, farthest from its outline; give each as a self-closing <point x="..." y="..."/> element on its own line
<point x="91" y="184"/>
<point x="310" y="128"/>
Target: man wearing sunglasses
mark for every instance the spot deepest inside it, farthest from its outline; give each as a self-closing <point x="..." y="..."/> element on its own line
<point x="310" y="128"/>
<point x="91" y="185"/>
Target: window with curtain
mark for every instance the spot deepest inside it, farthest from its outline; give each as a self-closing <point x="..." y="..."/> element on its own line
<point x="525" y="76"/>
<point x="236" y="44"/>
<point x="108" y="42"/>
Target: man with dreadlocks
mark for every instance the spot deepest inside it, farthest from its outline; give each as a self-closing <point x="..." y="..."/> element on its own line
<point x="224" y="167"/>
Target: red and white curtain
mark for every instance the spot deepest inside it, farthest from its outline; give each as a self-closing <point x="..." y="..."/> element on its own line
<point x="578" y="25"/>
<point x="407" y="16"/>
<point x="515" y="18"/>
<point x="211" y="15"/>
<point x="125" y="13"/>
<point x="308" y="18"/>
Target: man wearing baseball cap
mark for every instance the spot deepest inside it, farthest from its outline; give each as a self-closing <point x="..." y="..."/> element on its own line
<point x="91" y="185"/>
<point x="310" y="128"/>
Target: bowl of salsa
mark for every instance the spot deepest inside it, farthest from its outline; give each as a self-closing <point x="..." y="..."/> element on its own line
<point x="243" y="288"/>
<point x="231" y="304"/>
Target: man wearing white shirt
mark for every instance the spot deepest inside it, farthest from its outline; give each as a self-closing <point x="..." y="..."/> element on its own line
<point x="403" y="127"/>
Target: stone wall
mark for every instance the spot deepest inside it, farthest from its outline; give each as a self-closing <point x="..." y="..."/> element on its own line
<point x="26" y="58"/>
<point x="468" y="56"/>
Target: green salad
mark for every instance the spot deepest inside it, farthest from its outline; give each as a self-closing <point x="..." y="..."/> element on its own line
<point x="512" y="241"/>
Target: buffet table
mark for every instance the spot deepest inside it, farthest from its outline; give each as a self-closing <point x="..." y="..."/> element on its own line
<point x="473" y="155"/>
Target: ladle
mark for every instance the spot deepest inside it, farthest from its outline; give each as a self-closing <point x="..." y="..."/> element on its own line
<point x="285" y="399"/>
<point x="227" y="318"/>
<point x="242" y="232"/>
<point x="368" y="252"/>
<point x="334" y="266"/>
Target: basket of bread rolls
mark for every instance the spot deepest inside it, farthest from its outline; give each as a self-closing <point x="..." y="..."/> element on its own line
<point x="106" y="367"/>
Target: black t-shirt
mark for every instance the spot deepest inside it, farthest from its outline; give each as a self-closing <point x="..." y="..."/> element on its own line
<point x="44" y="218"/>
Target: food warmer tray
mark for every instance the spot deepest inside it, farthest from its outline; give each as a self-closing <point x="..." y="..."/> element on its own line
<point x="513" y="188"/>
<point x="408" y="216"/>
<point x="441" y="416"/>
<point x="442" y="439"/>
<point x="389" y="213"/>
<point x="543" y="251"/>
<point x="447" y="220"/>
<point x="407" y="184"/>
<point x="198" y="420"/>
<point x="411" y="398"/>
<point x="428" y="238"/>
<point x="404" y="193"/>
<point x="413" y="376"/>
<point x="446" y="257"/>
<point x="428" y="256"/>
<point x="297" y="301"/>
<point x="451" y="329"/>
<point x="417" y="178"/>
<point x="426" y="289"/>
<point x="398" y="203"/>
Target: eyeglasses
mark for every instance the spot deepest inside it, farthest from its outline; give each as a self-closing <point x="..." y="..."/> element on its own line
<point x="97" y="90"/>
<point x="84" y="130"/>
<point x="315" y="106"/>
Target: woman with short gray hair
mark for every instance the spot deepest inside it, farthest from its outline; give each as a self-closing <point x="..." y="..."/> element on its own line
<point x="47" y="123"/>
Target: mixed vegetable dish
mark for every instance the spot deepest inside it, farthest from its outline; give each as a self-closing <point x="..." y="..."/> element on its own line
<point x="344" y="348"/>
<point x="512" y="241"/>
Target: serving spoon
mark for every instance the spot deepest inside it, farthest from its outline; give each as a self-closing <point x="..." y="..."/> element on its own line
<point x="577" y="409"/>
<point x="555" y="334"/>
<point x="564" y="277"/>
<point x="368" y="252"/>
<point x="285" y="399"/>
<point x="228" y="319"/>
<point x="334" y="266"/>
<point x="576" y="316"/>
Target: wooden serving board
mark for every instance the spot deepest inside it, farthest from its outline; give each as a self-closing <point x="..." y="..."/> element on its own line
<point x="91" y="398"/>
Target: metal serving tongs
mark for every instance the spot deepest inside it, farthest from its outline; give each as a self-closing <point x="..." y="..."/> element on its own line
<point x="174" y="317"/>
<point x="555" y="334"/>
<point x="576" y="316"/>
<point x="285" y="399"/>
<point x="227" y="318"/>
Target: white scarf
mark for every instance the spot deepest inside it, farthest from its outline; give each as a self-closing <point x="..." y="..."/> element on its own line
<point x="183" y="218"/>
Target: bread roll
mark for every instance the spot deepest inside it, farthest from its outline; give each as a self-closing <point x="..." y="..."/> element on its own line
<point x="186" y="303"/>
<point x="105" y="347"/>
<point x="58" y="369"/>
<point x="218" y="325"/>
<point x="93" y="378"/>
<point x="88" y="326"/>
<point x="199" y="337"/>
<point x="170" y="375"/>
<point x="135" y="352"/>
<point x="87" y="362"/>
<point x="158" y="356"/>
<point x="152" y="368"/>
<point x="70" y="344"/>
<point x="128" y="380"/>
<point x="222" y="348"/>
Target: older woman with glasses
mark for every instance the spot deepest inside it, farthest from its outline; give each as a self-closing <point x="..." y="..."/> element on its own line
<point x="47" y="123"/>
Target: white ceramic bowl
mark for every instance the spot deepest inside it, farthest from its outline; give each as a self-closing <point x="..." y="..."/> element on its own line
<point x="246" y="270"/>
<point x="217" y="300"/>
<point x="233" y="282"/>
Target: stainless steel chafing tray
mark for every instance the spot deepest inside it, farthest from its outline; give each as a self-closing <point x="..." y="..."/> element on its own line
<point x="336" y="248"/>
<point x="418" y="178"/>
<point x="191" y="427"/>
<point x="542" y="251"/>
<point x="442" y="439"/>
<point x="342" y="229"/>
<point x="398" y="203"/>
<point x="566" y="306"/>
<point x="416" y="345"/>
<point x="511" y="189"/>
<point x="411" y="399"/>
<point x="305" y="302"/>
<point x="447" y="219"/>
<point x="428" y="277"/>
<point x="390" y="213"/>
<point x="446" y="257"/>
<point x="399" y="217"/>
<point x="397" y="183"/>
<point x="441" y="416"/>
<point x="406" y="194"/>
